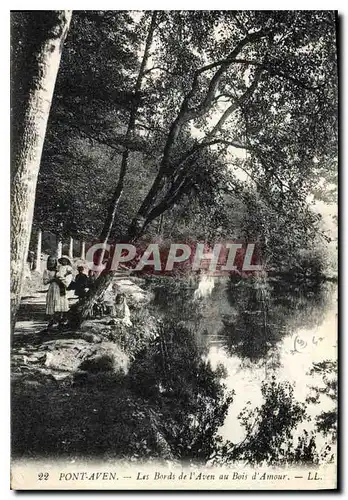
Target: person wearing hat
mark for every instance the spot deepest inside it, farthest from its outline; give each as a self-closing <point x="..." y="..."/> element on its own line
<point x="58" y="277"/>
<point x="64" y="269"/>
<point x="81" y="283"/>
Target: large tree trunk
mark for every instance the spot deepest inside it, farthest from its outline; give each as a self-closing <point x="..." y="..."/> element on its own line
<point x="38" y="251"/>
<point x="38" y="38"/>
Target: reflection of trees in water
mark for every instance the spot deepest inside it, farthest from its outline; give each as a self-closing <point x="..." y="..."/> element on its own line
<point x="175" y="378"/>
<point x="173" y="296"/>
<point x="264" y="312"/>
<point x="249" y="317"/>
<point x="178" y="383"/>
<point x="327" y="388"/>
<point x="270" y="432"/>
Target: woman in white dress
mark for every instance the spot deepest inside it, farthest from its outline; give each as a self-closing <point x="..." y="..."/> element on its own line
<point x="58" y="276"/>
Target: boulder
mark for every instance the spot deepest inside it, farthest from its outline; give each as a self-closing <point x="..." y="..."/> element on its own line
<point x="66" y="355"/>
<point x="106" y="329"/>
<point x="82" y="355"/>
<point x="106" y="357"/>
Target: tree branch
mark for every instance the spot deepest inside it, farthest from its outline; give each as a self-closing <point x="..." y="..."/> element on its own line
<point x="221" y="121"/>
<point x="186" y="114"/>
<point x="93" y="137"/>
<point x="224" y="65"/>
<point x="159" y="68"/>
<point x="235" y="105"/>
<point x="274" y="71"/>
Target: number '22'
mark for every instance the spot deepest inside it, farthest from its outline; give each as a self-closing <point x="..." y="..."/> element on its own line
<point x="43" y="476"/>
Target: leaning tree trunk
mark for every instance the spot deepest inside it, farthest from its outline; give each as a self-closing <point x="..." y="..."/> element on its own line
<point x="114" y="202"/>
<point x="160" y="225"/>
<point x="37" y="40"/>
<point x="82" y="309"/>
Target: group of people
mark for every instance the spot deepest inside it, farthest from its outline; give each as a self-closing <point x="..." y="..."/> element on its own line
<point x="59" y="276"/>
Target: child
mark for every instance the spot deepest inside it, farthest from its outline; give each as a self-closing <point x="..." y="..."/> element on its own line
<point x="121" y="309"/>
<point x="64" y="270"/>
<point x="81" y="283"/>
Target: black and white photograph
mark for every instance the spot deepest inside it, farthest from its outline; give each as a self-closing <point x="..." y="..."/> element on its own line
<point x="174" y="241"/>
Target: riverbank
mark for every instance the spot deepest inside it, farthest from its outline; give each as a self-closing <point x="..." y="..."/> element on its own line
<point x="154" y="390"/>
<point x="111" y="390"/>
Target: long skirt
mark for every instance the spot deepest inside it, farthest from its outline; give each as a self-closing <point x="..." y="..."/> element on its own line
<point x="54" y="301"/>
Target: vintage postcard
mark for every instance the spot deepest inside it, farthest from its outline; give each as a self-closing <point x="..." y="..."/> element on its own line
<point x="174" y="250"/>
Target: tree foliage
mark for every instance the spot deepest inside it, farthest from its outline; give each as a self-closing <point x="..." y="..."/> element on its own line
<point x="326" y="421"/>
<point x="218" y="82"/>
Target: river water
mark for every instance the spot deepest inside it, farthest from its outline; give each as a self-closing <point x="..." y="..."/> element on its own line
<point x="257" y="330"/>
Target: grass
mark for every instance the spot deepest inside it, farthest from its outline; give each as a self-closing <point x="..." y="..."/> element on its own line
<point x="93" y="416"/>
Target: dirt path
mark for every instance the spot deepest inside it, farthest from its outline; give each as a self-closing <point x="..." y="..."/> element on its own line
<point x="31" y="314"/>
<point x="31" y="341"/>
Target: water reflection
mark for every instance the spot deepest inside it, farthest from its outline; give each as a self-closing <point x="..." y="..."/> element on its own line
<point x="255" y="315"/>
<point x="249" y="318"/>
<point x="281" y="331"/>
<point x="256" y="330"/>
